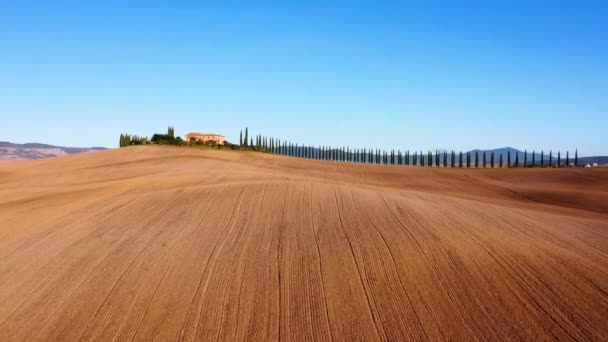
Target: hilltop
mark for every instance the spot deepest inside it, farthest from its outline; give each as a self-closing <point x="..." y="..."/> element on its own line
<point x="153" y="242"/>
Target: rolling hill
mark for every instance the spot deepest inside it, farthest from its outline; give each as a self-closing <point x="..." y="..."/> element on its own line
<point x="165" y="243"/>
<point x="29" y="151"/>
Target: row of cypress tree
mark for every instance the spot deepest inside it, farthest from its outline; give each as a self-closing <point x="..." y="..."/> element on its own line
<point x="375" y="156"/>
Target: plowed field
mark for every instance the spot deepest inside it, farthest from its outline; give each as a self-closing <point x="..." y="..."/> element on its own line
<point x="153" y="243"/>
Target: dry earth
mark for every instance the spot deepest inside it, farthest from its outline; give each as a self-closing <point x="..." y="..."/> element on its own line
<point x="151" y="243"/>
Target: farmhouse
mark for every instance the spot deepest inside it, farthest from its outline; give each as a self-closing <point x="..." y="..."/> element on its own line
<point x="204" y="137"/>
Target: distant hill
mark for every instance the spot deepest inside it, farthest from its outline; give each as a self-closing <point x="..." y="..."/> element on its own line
<point x="601" y="160"/>
<point x="29" y="151"/>
<point x="505" y="150"/>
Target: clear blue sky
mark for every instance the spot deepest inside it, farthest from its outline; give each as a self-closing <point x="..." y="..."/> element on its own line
<point x="425" y="75"/>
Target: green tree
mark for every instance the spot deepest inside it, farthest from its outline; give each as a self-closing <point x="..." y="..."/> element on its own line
<point x="550" y="158"/>
<point x="508" y="158"/>
<point x="460" y="160"/>
<point x="476" y="159"/>
<point x="567" y="159"/>
<point x="492" y="160"/>
<point x="500" y="162"/>
<point x="171" y="132"/>
<point x="576" y="157"/>
<point x="559" y="159"/>
<point x="516" y="159"/>
<point x="542" y="158"/>
<point x="533" y="158"/>
<point x="525" y="158"/>
<point x="484" y="159"/>
<point x="246" y="136"/>
<point x="468" y="159"/>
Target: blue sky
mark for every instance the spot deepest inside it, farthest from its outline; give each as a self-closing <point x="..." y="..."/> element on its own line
<point x="417" y="75"/>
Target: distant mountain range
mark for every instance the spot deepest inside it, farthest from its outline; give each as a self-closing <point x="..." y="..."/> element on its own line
<point x="601" y="160"/>
<point x="29" y="151"/>
<point x="505" y="150"/>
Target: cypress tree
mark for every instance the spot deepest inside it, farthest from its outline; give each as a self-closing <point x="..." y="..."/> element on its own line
<point x="460" y="160"/>
<point x="576" y="157"/>
<point x="421" y="159"/>
<point x="453" y="160"/>
<point x="251" y="142"/>
<point x="500" y="160"/>
<point x="241" y="138"/>
<point x="484" y="159"/>
<point x="542" y="158"/>
<point x="468" y="159"/>
<point x="508" y="158"/>
<point x="492" y="159"/>
<point x="525" y="158"/>
<point x="550" y="158"/>
<point x="567" y="159"/>
<point x="246" y="136"/>
<point x="559" y="159"/>
<point x="445" y="159"/>
<point x="476" y="159"/>
<point x="533" y="158"/>
<point x="516" y="159"/>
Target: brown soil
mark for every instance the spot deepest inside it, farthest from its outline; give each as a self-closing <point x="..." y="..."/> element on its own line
<point x="159" y="243"/>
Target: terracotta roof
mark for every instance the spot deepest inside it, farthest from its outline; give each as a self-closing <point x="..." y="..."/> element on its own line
<point x="206" y="134"/>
